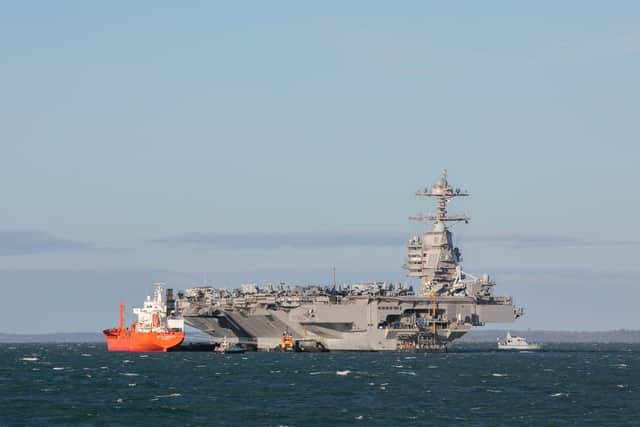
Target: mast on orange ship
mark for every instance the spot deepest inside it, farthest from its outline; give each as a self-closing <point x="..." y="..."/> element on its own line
<point x="121" y="322"/>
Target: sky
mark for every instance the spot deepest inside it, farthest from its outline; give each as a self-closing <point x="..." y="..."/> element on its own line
<point x="253" y="142"/>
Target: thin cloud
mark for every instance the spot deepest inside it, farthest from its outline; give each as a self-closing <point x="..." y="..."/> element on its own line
<point x="627" y="43"/>
<point x="544" y="240"/>
<point x="415" y="57"/>
<point x="26" y="242"/>
<point x="550" y="276"/>
<point x="275" y="240"/>
<point x="337" y="239"/>
<point x="410" y="56"/>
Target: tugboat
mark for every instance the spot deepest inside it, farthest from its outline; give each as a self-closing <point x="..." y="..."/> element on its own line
<point x="517" y="343"/>
<point x="156" y="329"/>
<point x="286" y="343"/>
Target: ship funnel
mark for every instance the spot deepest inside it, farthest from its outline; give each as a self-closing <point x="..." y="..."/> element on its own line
<point x="171" y="303"/>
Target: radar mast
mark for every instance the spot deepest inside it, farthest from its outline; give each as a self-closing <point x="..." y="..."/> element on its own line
<point x="443" y="192"/>
<point x="432" y="256"/>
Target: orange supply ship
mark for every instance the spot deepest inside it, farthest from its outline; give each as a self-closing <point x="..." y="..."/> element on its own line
<point x="157" y="329"/>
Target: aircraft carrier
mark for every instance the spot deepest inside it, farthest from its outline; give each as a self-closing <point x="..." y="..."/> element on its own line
<point x="364" y="316"/>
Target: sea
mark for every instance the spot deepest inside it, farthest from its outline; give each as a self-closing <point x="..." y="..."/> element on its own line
<point x="471" y="385"/>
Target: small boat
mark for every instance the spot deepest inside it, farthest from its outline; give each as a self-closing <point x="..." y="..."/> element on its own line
<point x="517" y="343"/>
<point x="157" y="329"/>
<point x="228" y="348"/>
<point x="286" y="343"/>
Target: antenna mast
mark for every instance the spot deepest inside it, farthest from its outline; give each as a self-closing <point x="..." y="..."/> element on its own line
<point x="432" y="257"/>
<point x="443" y="192"/>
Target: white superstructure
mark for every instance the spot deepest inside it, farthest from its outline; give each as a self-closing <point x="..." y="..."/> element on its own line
<point x="152" y="317"/>
<point x="517" y="343"/>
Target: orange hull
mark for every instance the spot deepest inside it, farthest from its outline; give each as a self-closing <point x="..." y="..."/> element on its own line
<point x="132" y="340"/>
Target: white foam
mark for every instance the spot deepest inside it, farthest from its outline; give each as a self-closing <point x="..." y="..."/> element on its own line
<point x="85" y="355"/>
<point x="498" y="375"/>
<point x="130" y="374"/>
<point x="30" y="359"/>
<point x="58" y="368"/>
<point x="347" y="372"/>
<point x="407" y="373"/>
<point x="161" y="396"/>
<point x="559" y="394"/>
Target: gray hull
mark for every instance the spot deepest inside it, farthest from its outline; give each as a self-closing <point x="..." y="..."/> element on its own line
<point x="354" y="324"/>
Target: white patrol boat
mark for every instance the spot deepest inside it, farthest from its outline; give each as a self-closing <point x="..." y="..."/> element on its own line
<point x="517" y="343"/>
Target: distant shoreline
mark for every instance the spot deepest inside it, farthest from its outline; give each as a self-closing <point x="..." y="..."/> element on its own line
<point x="474" y="336"/>
<point x="72" y="337"/>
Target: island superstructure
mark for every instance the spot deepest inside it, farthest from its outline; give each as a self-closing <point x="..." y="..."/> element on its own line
<point x="364" y="316"/>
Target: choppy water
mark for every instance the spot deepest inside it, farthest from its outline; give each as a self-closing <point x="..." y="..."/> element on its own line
<point x="472" y="385"/>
